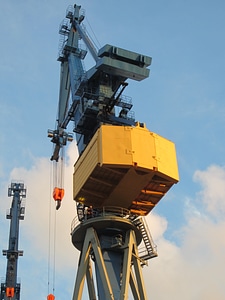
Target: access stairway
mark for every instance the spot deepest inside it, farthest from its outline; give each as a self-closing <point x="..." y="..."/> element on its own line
<point x="149" y="250"/>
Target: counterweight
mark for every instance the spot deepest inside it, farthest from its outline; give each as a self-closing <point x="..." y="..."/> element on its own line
<point x="10" y="289"/>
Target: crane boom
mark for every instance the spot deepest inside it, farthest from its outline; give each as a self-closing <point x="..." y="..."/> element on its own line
<point x="76" y="21"/>
<point x="10" y="289"/>
<point x="96" y="93"/>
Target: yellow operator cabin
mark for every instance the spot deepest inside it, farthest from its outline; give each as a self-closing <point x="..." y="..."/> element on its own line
<point x="125" y="166"/>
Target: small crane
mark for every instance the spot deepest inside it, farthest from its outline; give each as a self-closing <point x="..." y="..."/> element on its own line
<point x="10" y="289"/>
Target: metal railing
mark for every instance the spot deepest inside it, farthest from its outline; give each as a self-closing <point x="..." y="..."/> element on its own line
<point x="147" y="249"/>
<point x="88" y="212"/>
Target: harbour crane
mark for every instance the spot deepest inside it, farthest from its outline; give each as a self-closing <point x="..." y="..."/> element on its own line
<point x="10" y="288"/>
<point x="123" y="169"/>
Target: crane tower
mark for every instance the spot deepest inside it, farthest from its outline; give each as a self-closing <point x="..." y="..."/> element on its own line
<point x="123" y="169"/>
<point x="10" y="288"/>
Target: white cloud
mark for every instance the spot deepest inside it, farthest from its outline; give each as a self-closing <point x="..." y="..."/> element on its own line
<point x="213" y="192"/>
<point x="34" y="230"/>
<point x="194" y="269"/>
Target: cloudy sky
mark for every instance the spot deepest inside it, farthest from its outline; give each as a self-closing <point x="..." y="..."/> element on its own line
<point x="182" y="100"/>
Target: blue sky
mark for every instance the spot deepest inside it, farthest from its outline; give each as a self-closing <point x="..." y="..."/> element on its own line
<point x="182" y="100"/>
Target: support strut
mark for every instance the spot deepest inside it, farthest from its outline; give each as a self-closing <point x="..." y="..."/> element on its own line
<point x="114" y="257"/>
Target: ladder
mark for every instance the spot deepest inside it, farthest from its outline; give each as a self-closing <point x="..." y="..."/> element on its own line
<point x="149" y="250"/>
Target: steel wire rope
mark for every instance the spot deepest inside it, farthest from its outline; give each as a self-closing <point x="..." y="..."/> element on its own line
<point x="52" y="239"/>
<point x="62" y="168"/>
<point x="96" y="42"/>
<point x="59" y="176"/>
<point x="49" y="225"/>
<point x="58" y="181"/>
<point x="54" y="181"/>
<point x="54" y="255"/>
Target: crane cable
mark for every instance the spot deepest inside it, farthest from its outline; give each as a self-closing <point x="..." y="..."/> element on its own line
<point x="58" y="176"/>
<point x="93" y="33"/>
<point x="56" y="182"/>
<point x="50" y="232"/>
<point x="51" y="235"/>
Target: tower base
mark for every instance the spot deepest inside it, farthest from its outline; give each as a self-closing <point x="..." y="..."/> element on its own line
<point x="112" y="251"/>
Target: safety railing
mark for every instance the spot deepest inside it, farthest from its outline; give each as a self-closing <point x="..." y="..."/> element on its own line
<point x="147" y="249"/>
<point x="88" y="212"/>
